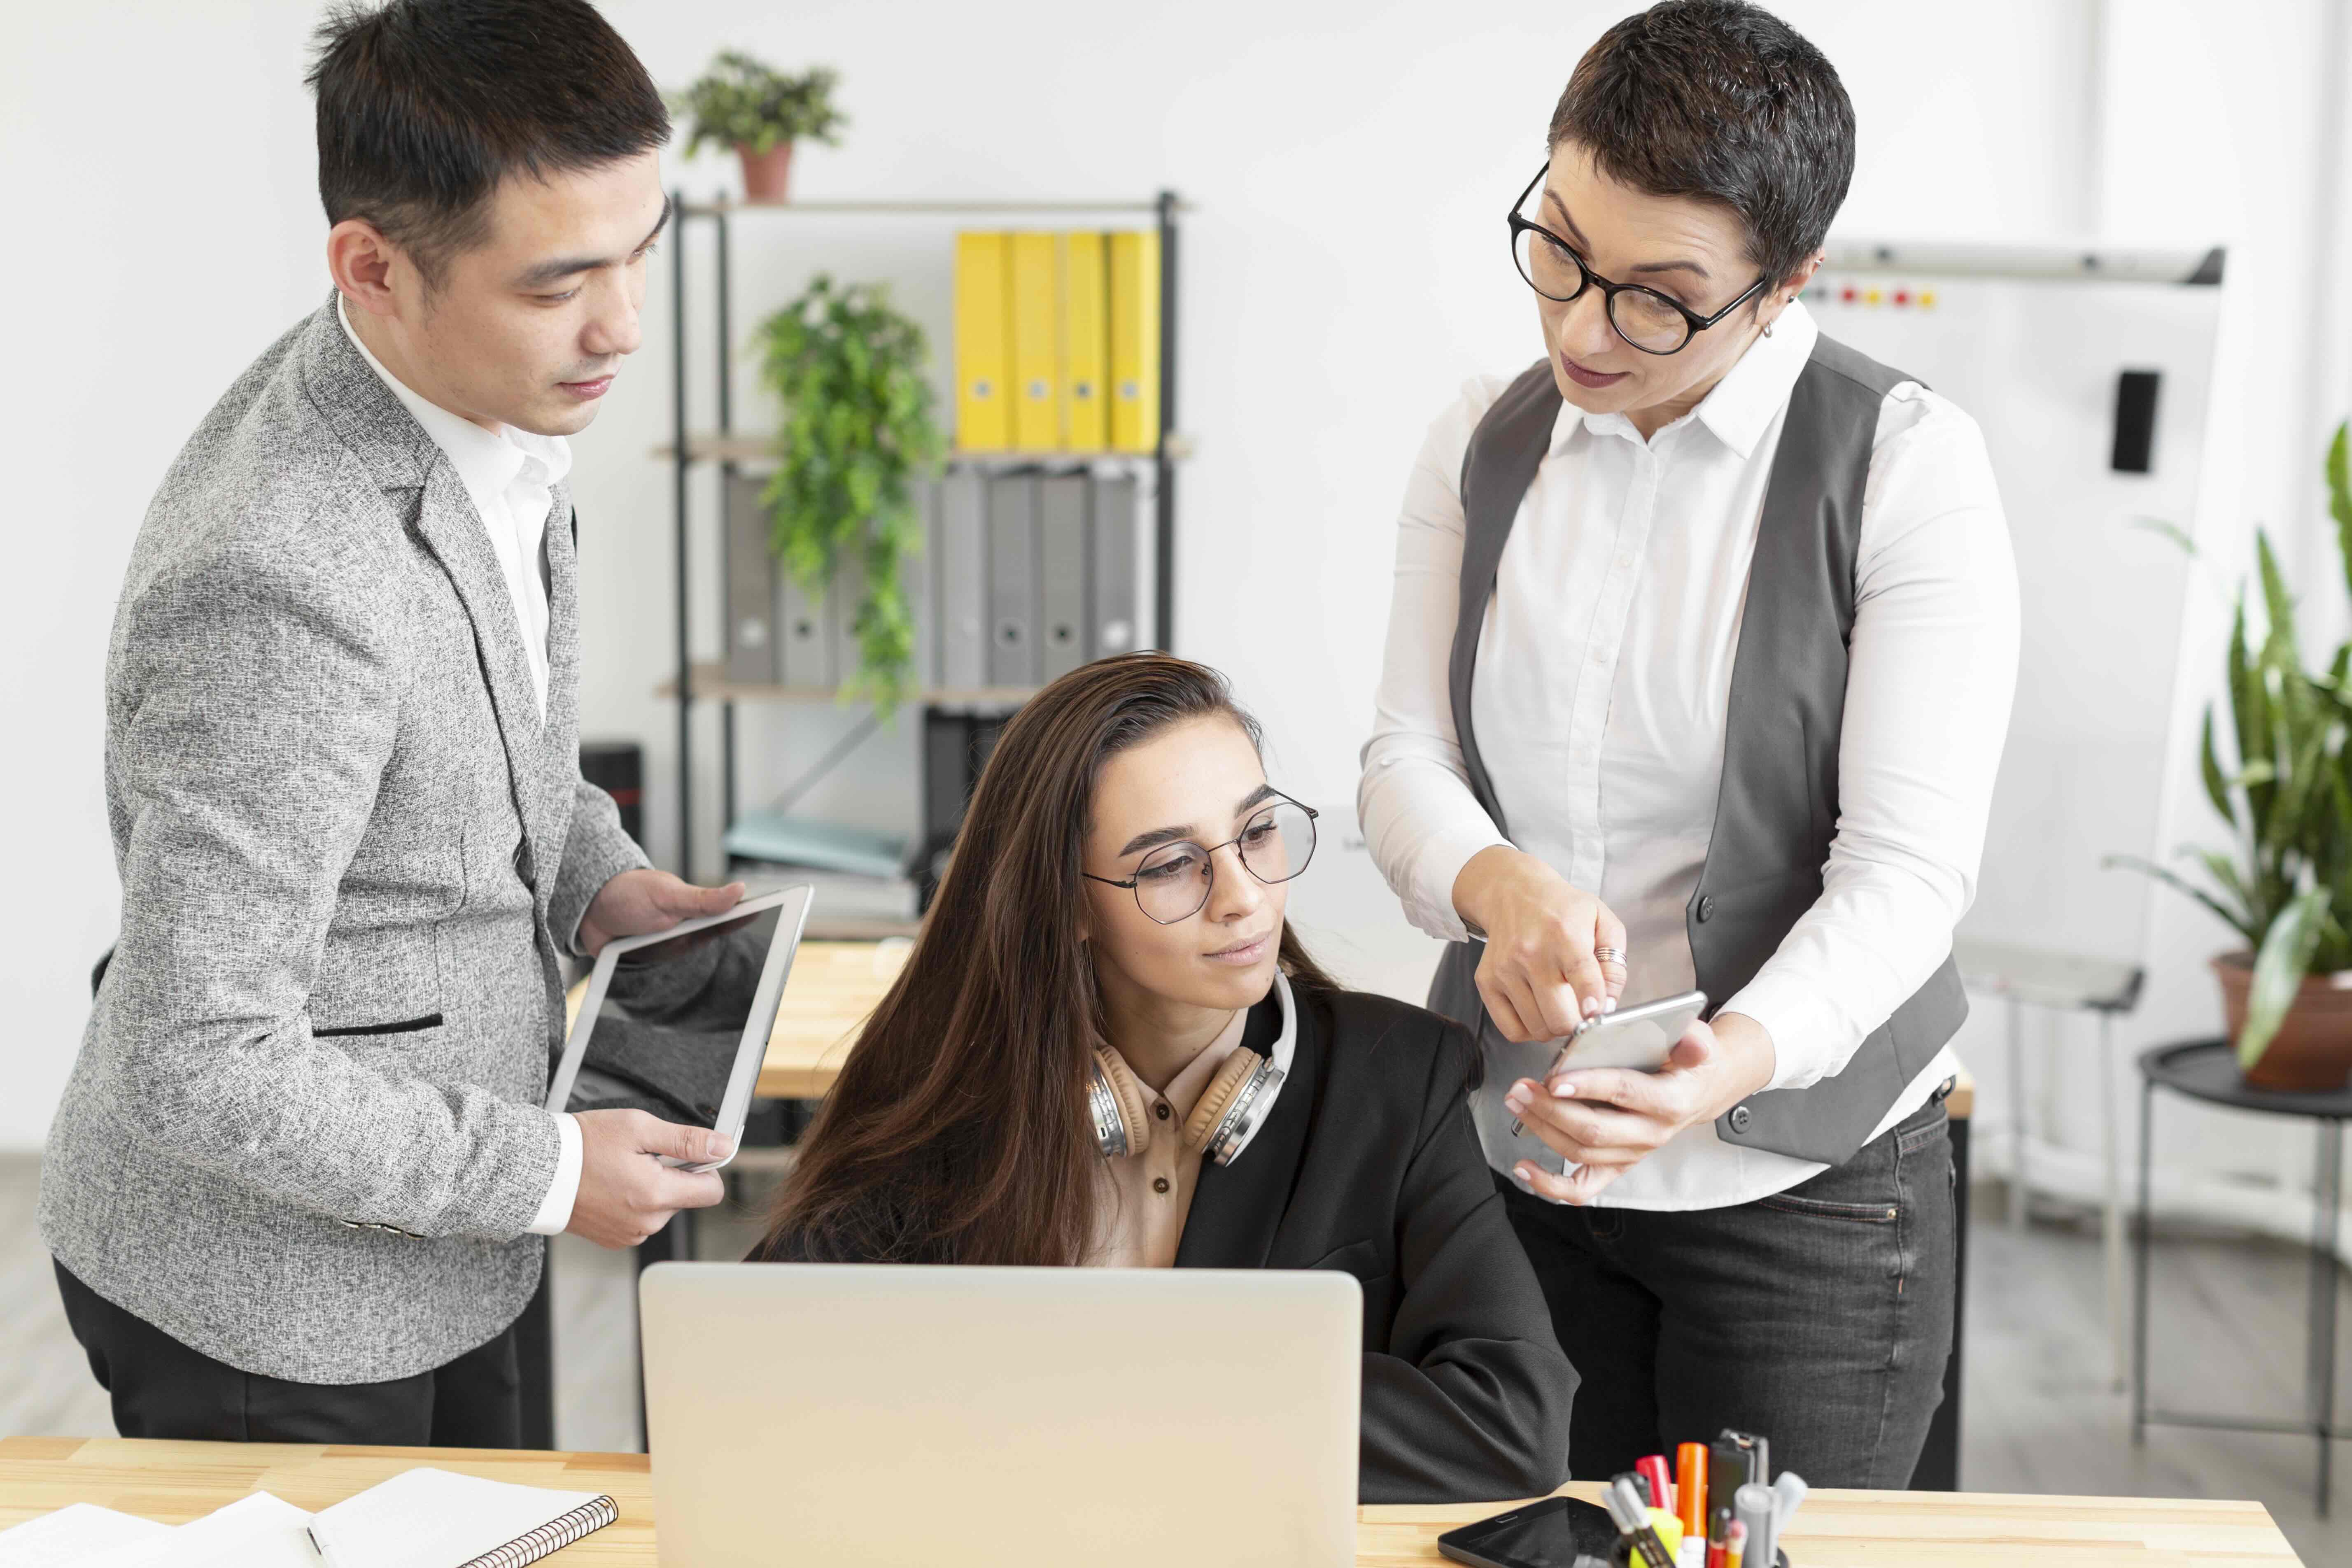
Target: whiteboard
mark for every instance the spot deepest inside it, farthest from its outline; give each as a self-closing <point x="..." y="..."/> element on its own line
<point x="2032" y="344"/>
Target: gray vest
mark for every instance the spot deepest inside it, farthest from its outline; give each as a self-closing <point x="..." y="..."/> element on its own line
<point x="1778" y="809"/>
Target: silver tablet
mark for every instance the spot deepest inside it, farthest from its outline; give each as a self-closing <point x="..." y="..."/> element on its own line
<point x="676" y="1023"/>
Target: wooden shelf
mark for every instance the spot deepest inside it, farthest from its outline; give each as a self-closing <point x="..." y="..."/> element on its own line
<point x="711" y="447"/>
<point x="712" y="685"/>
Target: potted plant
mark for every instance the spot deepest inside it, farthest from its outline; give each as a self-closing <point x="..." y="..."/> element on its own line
<point x="760" y="112"/>
<point x="858" y="431"/>
<point x="2285" y="886"/>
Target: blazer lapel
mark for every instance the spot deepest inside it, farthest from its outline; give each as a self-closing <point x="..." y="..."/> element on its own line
<point x="559" y="736"/>
<point x="455" y="532"/>
<point x="1237" y="1208"/>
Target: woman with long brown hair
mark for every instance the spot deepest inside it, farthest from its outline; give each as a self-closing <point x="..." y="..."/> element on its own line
<point x="1109" y="1048"/>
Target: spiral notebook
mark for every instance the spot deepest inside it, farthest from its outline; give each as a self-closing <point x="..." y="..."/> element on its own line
<point x="437" y="1519"/>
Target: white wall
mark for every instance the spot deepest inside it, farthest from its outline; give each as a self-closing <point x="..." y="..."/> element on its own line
<point x="1342" y="272"/>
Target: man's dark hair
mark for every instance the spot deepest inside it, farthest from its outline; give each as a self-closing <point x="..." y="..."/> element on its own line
<point x="1722" y="101"/>
<point x="426" y="105"/>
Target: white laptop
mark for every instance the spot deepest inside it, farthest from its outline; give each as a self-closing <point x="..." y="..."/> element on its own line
<point x="950" y="1418"/>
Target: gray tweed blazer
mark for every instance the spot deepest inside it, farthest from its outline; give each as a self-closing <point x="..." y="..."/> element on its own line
<point x="303" y="1135"/>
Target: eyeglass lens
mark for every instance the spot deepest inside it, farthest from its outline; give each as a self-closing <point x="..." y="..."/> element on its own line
<point x="1173" y="881"/>
<point x="1647" y="319"/>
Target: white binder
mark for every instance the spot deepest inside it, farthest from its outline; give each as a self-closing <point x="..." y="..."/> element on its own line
<point x="1115" y="585"/>
<point x="960" y="580"/>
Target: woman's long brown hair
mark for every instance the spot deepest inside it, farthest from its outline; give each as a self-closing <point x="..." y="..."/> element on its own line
<point x="957" y="1132"/>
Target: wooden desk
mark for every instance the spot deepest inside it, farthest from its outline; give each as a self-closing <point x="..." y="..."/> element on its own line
<point x="175" y="1482"/>
<point x="834" y="985"/>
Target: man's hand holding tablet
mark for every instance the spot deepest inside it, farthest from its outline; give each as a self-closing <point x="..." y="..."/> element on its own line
<point x="626" y="1192"/>
<point x="665" y="1051"/>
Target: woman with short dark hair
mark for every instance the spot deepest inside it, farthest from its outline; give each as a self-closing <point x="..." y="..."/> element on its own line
<point x="1699" y="667"/>
<point x="1109" y="1048"/>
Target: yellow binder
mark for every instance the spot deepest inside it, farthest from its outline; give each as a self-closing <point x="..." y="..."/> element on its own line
<point x="1086" y="344"/>
<point x="1037" y="342"/>
<point x="1134" y="341"/>
<point x="983" y="409"/>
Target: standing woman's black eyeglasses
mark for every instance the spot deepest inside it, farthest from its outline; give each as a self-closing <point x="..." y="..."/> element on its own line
<point x="1645" y="317"/>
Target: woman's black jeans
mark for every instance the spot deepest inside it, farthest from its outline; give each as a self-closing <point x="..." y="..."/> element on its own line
<point x="1818" y="1317"/>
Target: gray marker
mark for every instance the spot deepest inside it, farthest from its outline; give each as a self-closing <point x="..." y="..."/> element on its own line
<point x="1751" y="1505"/>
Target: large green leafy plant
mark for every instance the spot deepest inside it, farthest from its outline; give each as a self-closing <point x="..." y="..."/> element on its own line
<point x="740" y="102"/>
<point x="857" y="432"/>
<point x="2285" y="885"/>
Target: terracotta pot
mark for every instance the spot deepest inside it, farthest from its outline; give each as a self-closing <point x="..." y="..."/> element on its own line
<point x="766" y="174"/>
<point x="2313" y="1049"/>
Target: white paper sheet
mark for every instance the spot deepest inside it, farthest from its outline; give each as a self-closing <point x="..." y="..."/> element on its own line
<point x="73" y="1534"/>
<point x="254" y="1532"/>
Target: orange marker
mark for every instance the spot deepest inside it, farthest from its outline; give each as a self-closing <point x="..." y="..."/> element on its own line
<point x="1690" y="1488"/>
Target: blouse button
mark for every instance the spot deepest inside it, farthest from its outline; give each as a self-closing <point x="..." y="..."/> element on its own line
<point x="1161" y="1110"/>
<point x="1158" y="1184"/>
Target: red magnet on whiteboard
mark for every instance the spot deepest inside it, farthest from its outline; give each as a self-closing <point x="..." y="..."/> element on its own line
<point x="1902" y="296"/>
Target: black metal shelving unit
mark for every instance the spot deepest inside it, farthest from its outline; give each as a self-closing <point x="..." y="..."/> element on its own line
<point x="685" y="451"/>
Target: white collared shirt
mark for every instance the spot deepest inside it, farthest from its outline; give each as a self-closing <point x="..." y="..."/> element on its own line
<point x="1602" y="691"/>
<point x="510" y="478"/>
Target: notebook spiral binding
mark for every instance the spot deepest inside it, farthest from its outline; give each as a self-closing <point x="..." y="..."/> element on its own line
<point x="554" y="1536"/>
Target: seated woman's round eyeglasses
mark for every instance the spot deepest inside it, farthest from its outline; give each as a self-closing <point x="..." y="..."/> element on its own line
<point x="1645" y="317"/>
<point x="1173" y="884"/>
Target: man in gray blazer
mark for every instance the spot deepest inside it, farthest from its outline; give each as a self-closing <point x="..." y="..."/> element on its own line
<point x="298" y="1184"/>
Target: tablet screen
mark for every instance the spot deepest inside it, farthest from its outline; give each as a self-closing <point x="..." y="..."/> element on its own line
<point x="666" y="1034"/>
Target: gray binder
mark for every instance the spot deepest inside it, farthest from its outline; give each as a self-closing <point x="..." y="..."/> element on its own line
<point x="915" y="580"/>
<point x="751" y="584"/>
<point x="1114" y="586"/>
<point x="1013" y="580"/>
<point x="1062" y="547"/>
<point x="804" y="628"/>
<point x="849" y="591"/>
<point x="960" y="580"/>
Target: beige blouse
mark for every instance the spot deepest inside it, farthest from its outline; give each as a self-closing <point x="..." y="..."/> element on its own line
<point x="1145" y="1197"/>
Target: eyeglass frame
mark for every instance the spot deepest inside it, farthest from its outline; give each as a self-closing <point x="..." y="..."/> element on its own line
<point x="1692" y="319"/>
<point x="1208" y="856"/>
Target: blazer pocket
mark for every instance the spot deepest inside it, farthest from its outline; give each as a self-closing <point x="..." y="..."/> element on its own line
<point x="404" y="1026"/>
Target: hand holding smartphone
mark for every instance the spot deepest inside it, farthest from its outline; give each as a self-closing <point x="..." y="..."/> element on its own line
<point x="1641" y="1038"/>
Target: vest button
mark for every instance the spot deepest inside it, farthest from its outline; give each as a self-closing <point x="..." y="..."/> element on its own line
<point x="1706" y="905"/>
<point x="1740" y="1116"/>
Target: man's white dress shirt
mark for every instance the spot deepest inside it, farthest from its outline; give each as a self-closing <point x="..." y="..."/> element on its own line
<point x="511" y="477"/>
<point x="1603" y="688"/>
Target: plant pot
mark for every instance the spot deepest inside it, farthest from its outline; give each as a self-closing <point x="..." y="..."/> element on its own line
<point x="2313" y="1049"/>
<point x="766" y="176"/>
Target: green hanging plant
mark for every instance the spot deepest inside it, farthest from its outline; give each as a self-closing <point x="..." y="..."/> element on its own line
<point x="857" y="433"/>
<point x="741" y="102"/>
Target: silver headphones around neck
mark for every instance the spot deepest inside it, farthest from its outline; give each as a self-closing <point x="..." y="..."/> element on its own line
<point x="1230" y="1111"/>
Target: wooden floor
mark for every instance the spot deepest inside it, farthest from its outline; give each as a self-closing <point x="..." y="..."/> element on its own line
<point x="2041" y="1415"/>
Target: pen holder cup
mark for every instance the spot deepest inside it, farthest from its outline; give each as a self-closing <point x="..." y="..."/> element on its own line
<point x="1624" y="1556"/>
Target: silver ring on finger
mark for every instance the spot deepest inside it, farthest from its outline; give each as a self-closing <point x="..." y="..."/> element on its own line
<point x="1609" y="955"/>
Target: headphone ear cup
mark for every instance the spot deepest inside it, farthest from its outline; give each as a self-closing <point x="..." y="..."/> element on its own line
<point x="1218" y="1098"/>
<point x="1114" y="1082"/>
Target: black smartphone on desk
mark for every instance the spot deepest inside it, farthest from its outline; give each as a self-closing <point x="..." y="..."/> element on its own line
<point x="1549" y="1535"/>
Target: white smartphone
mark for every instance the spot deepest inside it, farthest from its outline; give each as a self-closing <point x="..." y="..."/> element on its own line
<point x="1642" y="1037"/>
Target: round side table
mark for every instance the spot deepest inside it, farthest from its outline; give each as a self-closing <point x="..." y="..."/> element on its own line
<point x="2206" y="1070"/>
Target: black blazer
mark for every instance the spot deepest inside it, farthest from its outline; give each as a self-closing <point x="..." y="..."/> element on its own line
<point x="1367" y="1164"/>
